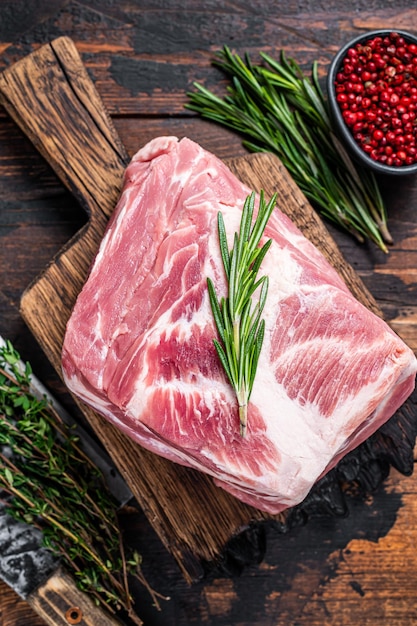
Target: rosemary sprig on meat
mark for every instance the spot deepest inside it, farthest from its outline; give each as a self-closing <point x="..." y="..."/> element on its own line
<point x="279" y="109"/>
<point x="48" y="481"/>
<point x="239" y="324"/>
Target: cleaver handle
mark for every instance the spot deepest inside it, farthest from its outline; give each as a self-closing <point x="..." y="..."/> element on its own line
<point x="60" y="603"/>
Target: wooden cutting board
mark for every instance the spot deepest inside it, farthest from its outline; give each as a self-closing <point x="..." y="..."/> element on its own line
<point x="51" y="97"/>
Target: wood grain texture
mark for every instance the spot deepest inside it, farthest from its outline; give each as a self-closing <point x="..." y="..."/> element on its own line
<point x="341" y="571"/>
<point x="14" y="611"/>
<point x="174" y="498"/>
<point x="52" y="98"/>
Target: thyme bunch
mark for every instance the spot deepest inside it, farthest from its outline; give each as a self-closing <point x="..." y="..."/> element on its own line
<point x="46" y="480"/>
<point x="280" y="110"/>
<point x="240" y="326"/>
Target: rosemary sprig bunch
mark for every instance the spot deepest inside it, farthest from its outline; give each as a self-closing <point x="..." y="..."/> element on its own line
<point x="48" y="481"/>
<point x="240" y="327"/>
<point x="279" y="109"/>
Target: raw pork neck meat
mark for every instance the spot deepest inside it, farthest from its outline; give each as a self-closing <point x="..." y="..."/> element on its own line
<point x="138" y="346"/>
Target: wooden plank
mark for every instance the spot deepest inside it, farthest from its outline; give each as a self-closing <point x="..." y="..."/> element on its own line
<point x="52" y="99"/>
<point x="14" y="610"/>
<point x="155" y="53"/>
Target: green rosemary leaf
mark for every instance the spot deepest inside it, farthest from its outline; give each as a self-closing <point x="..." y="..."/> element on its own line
<point x="254" y="323"/>
<point x="223" y="360"/>
<point x="239" y="326"/>
<point x="246" y="222"/>
<point x="263" y="217"/>
<point x="255" y="354"/>
<point x="215" y="308"/>
<point x="263" y="294"/>
<point x="260" y="257"/>
<point x="223" y="244"/>
<point x="233" y="276"/>
<point x="249" y="289"/>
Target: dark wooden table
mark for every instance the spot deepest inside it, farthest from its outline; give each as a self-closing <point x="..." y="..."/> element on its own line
<point x="143" y="56"/>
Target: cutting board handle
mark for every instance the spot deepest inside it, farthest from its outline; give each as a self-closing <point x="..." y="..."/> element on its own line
<point x="50" y="95"/>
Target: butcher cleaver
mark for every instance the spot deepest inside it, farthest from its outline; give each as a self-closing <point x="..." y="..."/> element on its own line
<point x="32" y="570"/>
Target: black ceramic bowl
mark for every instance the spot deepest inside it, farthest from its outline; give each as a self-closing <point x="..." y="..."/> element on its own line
<point x="344" y="132"/>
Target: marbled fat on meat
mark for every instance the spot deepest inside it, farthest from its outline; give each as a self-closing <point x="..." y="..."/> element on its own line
<point x="138" y="346"/>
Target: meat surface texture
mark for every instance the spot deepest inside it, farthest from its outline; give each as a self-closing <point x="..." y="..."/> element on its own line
<point x="139" y="343"/>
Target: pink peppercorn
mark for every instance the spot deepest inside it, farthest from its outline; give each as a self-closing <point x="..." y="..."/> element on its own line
<point x="376" y="88"/>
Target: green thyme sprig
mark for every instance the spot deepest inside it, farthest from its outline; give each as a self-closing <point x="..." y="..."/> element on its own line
<point x="48" y="481"/>
<point x="280" y="110"/>
<point x="240" y="327"/>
